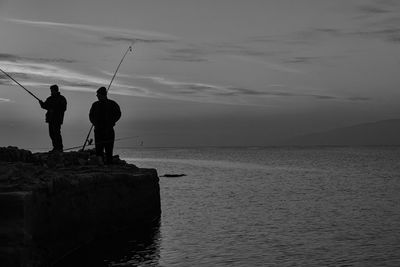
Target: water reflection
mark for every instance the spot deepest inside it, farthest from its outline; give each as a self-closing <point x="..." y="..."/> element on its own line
<point x="138" y="247"/>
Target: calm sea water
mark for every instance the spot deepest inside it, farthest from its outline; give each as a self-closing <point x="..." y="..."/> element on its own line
<point x="322" y="206"/>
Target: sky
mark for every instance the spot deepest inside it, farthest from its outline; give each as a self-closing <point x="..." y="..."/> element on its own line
<point x="201" y="73"/>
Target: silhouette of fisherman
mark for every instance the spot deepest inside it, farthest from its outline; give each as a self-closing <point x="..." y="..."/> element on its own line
<point x="55" y="104"/>
<point x="104" y="113"/>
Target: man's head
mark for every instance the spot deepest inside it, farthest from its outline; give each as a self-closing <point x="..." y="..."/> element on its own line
<point x="54" y="89"/>
<point x="102" y="93"/>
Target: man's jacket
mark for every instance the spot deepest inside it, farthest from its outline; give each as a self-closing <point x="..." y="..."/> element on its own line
<point x="55" y="105"/>
<point x="104" y="114"/>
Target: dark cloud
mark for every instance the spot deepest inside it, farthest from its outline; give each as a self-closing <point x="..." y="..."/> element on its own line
<point x="372" y="10"/>
<point x="245" y="91"/>
<point x="301" y="59"/>
<point x="237" y="92"/>
<point x="379" y="7"/>
<point x="53" y="60"/>
<point x="9" y="57"/>
<point x="201" y="53"/>
<point x="4" y="81"/>
<point x="316" y="35"/>
<point x="323" y="97"/>
<point x="381" y="20"/>
<point x="201" y="90"/>
<point x="383" y="30"/>
<point x="79" y="84"/>
<point x="227" y="48"/>
<point x="200" y="87"/>
<point x="304" y="37"/>
<point x="189" y="54"/>
<point x="243" y="52"/>
<point x="134" y="40"/>
<point x="264" y="39"/>
<point x="388" y="34"/>
<point x="15" y="75"/>
<point x="16" y="58"/>
<point x="358" y="98"/>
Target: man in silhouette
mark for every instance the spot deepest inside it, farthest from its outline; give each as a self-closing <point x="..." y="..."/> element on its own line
<point x="103" y="114"/>
<point x="55" y="104"/>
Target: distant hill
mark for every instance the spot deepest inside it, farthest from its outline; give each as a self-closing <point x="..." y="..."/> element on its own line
<point x="385" y="132"/>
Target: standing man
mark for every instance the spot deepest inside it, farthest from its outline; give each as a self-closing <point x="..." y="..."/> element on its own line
<point x="55" y="104"/>
<point x="104" y="113"/>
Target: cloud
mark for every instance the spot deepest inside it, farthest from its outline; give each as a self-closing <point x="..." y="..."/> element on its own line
<point x="269" y="65"/>
<point x="15" y="58"/>
<point x="107" y="33"/>
<point x="210" y="90"/>
<point x="188" y="54"/>
<point x="309" y="36"/>
<point x="9" y="57"/>
<point x="380" y="20"/>
<point x="390" y="34"/>
<point x="301" y="59"/>
<point x="358" y="98"/>
<point x="134" y="40"/>
<point x="372" y="10"/>
<point x="322" y="97"/>
<point x="5" y="100"/>
<point x="193" y="87"/>
<point x="42" y="75"/>
<point x="205" y="52"/>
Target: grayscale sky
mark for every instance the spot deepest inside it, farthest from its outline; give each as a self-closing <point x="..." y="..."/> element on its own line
<point x="202" y="72"/>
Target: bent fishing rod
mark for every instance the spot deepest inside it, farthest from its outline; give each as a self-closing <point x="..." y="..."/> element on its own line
<point x="23" y="87"/>
<point x="108" y="88"/>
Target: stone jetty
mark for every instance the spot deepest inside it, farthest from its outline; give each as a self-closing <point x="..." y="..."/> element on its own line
<point x="52" y="203"/>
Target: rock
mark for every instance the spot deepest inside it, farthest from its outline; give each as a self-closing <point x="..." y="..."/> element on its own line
<point x="173" y="175"/>
<point x="51" y="203"/>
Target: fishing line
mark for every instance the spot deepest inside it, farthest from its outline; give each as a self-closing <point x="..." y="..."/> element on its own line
<point x="103" y="142"/>
<point x="108" y="88"/>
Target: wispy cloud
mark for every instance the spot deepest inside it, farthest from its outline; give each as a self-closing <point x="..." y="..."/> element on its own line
<point x="206" y="52"/>
<point x="135" y="40"/>
<point x="107" y="33"/>
<point x="15" y="58"/>
<point x="380" y="20"/>
<point x="358" y="98"/>
<point x="5" y="100"/>
<point x="42" y="75"/>
<point x="270" y="65"/>
<point x="185" y="90"/>
<point x="188" y="54"/>
<point x="301" y="59"/>
<point x="373" y="9"/>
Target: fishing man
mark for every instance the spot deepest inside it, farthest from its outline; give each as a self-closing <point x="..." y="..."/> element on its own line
<point x="56" y="105"/>
<point x="103" y="114"/>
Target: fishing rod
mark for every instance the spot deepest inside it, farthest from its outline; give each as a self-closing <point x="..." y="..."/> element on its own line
<point x="103" y="142"/>
<point x="108" y="88"/>
<point x="9" y="76"/>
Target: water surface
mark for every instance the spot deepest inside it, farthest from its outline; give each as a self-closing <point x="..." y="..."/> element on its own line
<point x="321" y="206"/>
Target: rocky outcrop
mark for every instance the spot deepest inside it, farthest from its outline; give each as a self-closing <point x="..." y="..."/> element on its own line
<point x="53" y="203"/>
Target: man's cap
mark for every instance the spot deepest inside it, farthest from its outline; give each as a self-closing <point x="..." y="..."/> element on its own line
<point x="102" y="91"/>
<point x="54" y="87"/>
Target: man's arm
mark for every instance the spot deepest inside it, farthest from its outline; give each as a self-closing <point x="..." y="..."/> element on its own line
<point x="44" y="105"/>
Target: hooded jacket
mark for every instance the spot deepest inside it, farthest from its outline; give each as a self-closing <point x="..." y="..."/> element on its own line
<point x="56" y="105"/>
<point x="104" y="113"/>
